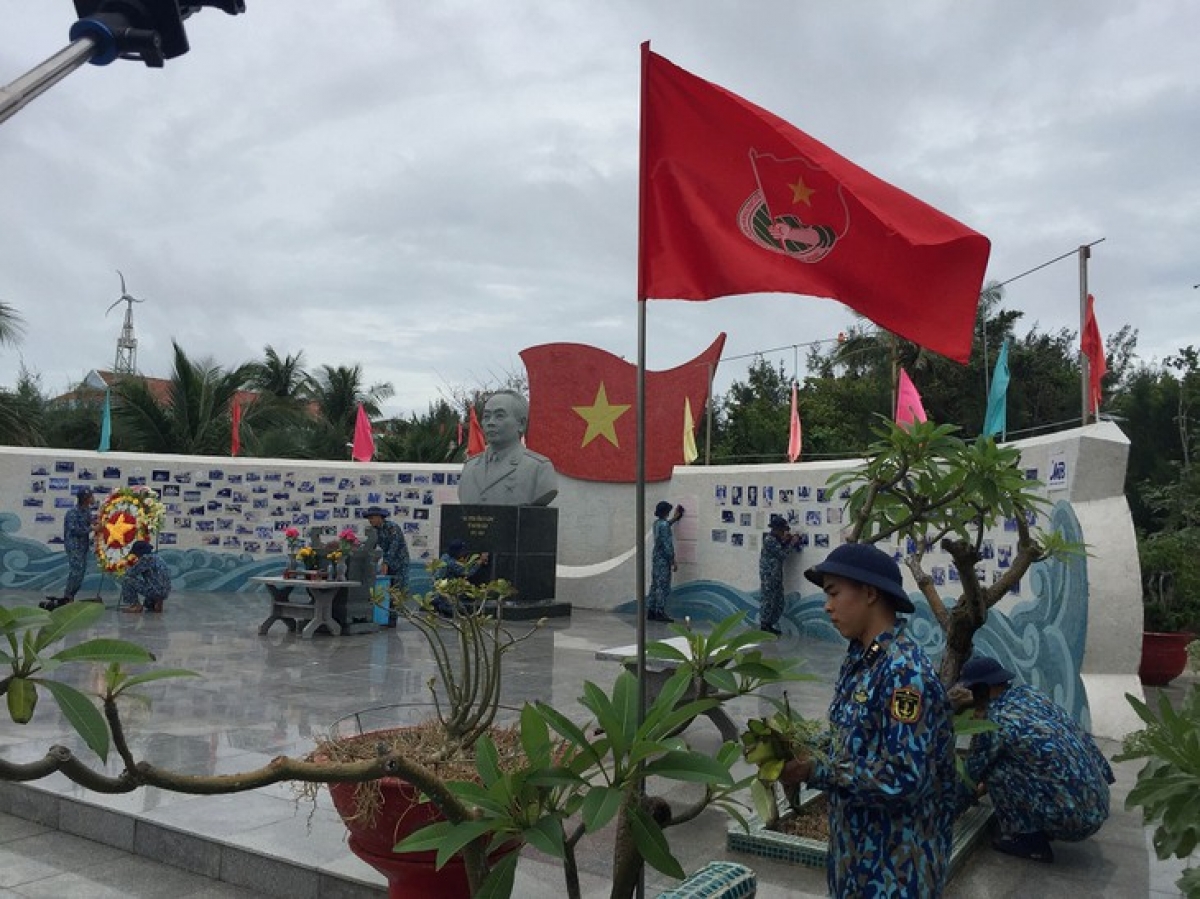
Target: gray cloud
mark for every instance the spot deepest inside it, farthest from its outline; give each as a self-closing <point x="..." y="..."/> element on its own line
<point x="429" y="190"/>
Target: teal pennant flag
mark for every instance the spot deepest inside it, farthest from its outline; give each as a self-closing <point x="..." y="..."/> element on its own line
<point x="997" y="406"/>
<point x="106" y="425"/>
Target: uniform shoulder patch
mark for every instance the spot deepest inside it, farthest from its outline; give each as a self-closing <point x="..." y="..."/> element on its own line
<point x="905" y="706"/>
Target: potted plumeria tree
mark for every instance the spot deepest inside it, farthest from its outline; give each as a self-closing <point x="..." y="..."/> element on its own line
<point x="923" y="486"/>
<point x="1170" y="563"/>
<point x="542" y="778"/>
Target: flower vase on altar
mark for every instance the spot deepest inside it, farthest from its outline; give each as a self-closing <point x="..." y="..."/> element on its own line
<point x="340" y="571"/>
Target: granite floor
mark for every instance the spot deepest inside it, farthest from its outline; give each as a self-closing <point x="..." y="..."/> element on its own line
<point x="261" y="696"/>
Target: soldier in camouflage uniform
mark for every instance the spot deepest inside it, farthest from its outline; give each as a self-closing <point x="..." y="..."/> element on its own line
<point x="888" y="769"/>
<point x="148" y="578"/>
<point x="393" y="548"/>
<point x="1046" y="778"/>
<point x="662" y="562"/>
<point x="78" y="531"/>
<point x="777" y="543"/>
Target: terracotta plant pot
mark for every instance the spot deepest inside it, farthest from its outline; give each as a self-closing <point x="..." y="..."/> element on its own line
<point x="1164" y="656"/>
<point x="401" y="812"/>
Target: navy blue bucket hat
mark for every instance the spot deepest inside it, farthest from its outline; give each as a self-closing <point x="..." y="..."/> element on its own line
<point x="864" y="563"/>
<point x="984" y="670"/>
<point x="376" y="510"/>
<point x="141" y="548"/>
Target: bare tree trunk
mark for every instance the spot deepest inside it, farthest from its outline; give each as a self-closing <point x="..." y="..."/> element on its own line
<point x="968" y="616"/>
<point x="627" y="861"/>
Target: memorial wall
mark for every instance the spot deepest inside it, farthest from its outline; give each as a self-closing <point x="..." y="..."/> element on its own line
<point x="1071" y="626"/>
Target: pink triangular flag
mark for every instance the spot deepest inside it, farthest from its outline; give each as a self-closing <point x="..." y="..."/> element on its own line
<point x="908" y="402"/>
<point x="794" y="435"/>
<point x="364" y="440"/>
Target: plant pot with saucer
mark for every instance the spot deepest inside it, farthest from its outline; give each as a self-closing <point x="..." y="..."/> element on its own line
<point x="440" y="740"/>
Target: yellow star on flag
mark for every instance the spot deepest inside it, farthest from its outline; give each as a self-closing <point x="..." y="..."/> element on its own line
<point x="801" y="192"/>
<point x="601" y="417"/>
<point x="116" y="528"/>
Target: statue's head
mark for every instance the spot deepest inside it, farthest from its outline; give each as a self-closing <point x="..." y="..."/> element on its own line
<point x="505" y="417"/>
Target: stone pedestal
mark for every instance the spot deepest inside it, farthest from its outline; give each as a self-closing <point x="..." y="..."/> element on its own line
<point x="358" y="611"/>
<point x="523" y="544"/>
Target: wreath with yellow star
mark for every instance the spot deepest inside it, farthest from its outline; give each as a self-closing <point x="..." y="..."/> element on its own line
<point x="127" y="515"/>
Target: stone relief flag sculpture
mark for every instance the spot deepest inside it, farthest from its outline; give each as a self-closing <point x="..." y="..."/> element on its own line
<point x="735" y="200"/>
<point x="581" y="410"/>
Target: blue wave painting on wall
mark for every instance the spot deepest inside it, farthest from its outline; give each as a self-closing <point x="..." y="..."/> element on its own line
<point x="1042" y="638"/>
<point x="31" y="565"/>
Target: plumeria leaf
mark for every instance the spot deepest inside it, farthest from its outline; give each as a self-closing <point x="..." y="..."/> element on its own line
<point x="74" y="616"/>
<point x="160" y="674"/>
<point x="105" y="649"/>
<point x="22" y="700"/>
<point x="653" y="845"/>
<point x="82" y="714"/>
<point x="499" y="883"/>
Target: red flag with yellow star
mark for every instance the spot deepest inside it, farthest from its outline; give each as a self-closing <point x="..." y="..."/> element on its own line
<point x="582" y="412"/>
<point x="735" y="200"/>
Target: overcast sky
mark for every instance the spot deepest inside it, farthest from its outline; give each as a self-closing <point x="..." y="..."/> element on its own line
<point x="427" y="189"/>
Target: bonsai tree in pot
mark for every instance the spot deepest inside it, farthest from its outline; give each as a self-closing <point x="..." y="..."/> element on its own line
<point x="468" y="644"/>
<point x="923" y="486"/>
<point x="1170" y="563"/>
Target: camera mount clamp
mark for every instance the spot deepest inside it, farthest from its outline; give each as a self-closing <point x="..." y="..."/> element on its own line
<point x="148" y="31"/>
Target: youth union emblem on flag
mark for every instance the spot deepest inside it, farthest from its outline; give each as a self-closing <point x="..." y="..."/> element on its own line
<point x="798" y="209"/>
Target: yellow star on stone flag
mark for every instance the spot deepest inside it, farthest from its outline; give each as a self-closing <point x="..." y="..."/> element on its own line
<point x="601" y="417"/>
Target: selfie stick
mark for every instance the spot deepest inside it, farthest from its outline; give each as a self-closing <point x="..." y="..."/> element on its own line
<point x="148" y="31"/>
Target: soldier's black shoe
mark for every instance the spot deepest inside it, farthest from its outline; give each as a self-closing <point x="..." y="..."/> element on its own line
<point x="1033" y="846"/>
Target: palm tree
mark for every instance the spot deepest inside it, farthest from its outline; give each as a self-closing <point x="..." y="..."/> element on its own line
<point x="16" y="424"/>
<point x="193" y="419"/>
<point x="284" y="417"/>
<point x="337" y="392"/>
<point x="23" y="412"/>
<point x="284" y="378"/>
<point x="430" y="437"/>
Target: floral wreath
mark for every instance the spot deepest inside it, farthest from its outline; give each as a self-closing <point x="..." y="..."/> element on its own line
<point x="127" y="515"/>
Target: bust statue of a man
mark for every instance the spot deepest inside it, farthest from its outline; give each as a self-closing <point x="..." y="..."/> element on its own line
<point x="506" y="473"/>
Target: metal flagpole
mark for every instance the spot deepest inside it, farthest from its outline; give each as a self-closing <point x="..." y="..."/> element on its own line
<point x="639" y="503"/>
<point x="1085" y="369"/>
<point x="708" y="416"/>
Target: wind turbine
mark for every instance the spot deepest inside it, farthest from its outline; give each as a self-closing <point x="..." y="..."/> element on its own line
<point x="126" y="361"/>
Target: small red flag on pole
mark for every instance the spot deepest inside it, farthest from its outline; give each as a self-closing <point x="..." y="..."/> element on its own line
<point x="475" y="442"/>
<point x="364" y="440"/>
<point x="236" y="438"/>
<point x="1093" y="348"/>
<point x="794" y="433"/>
